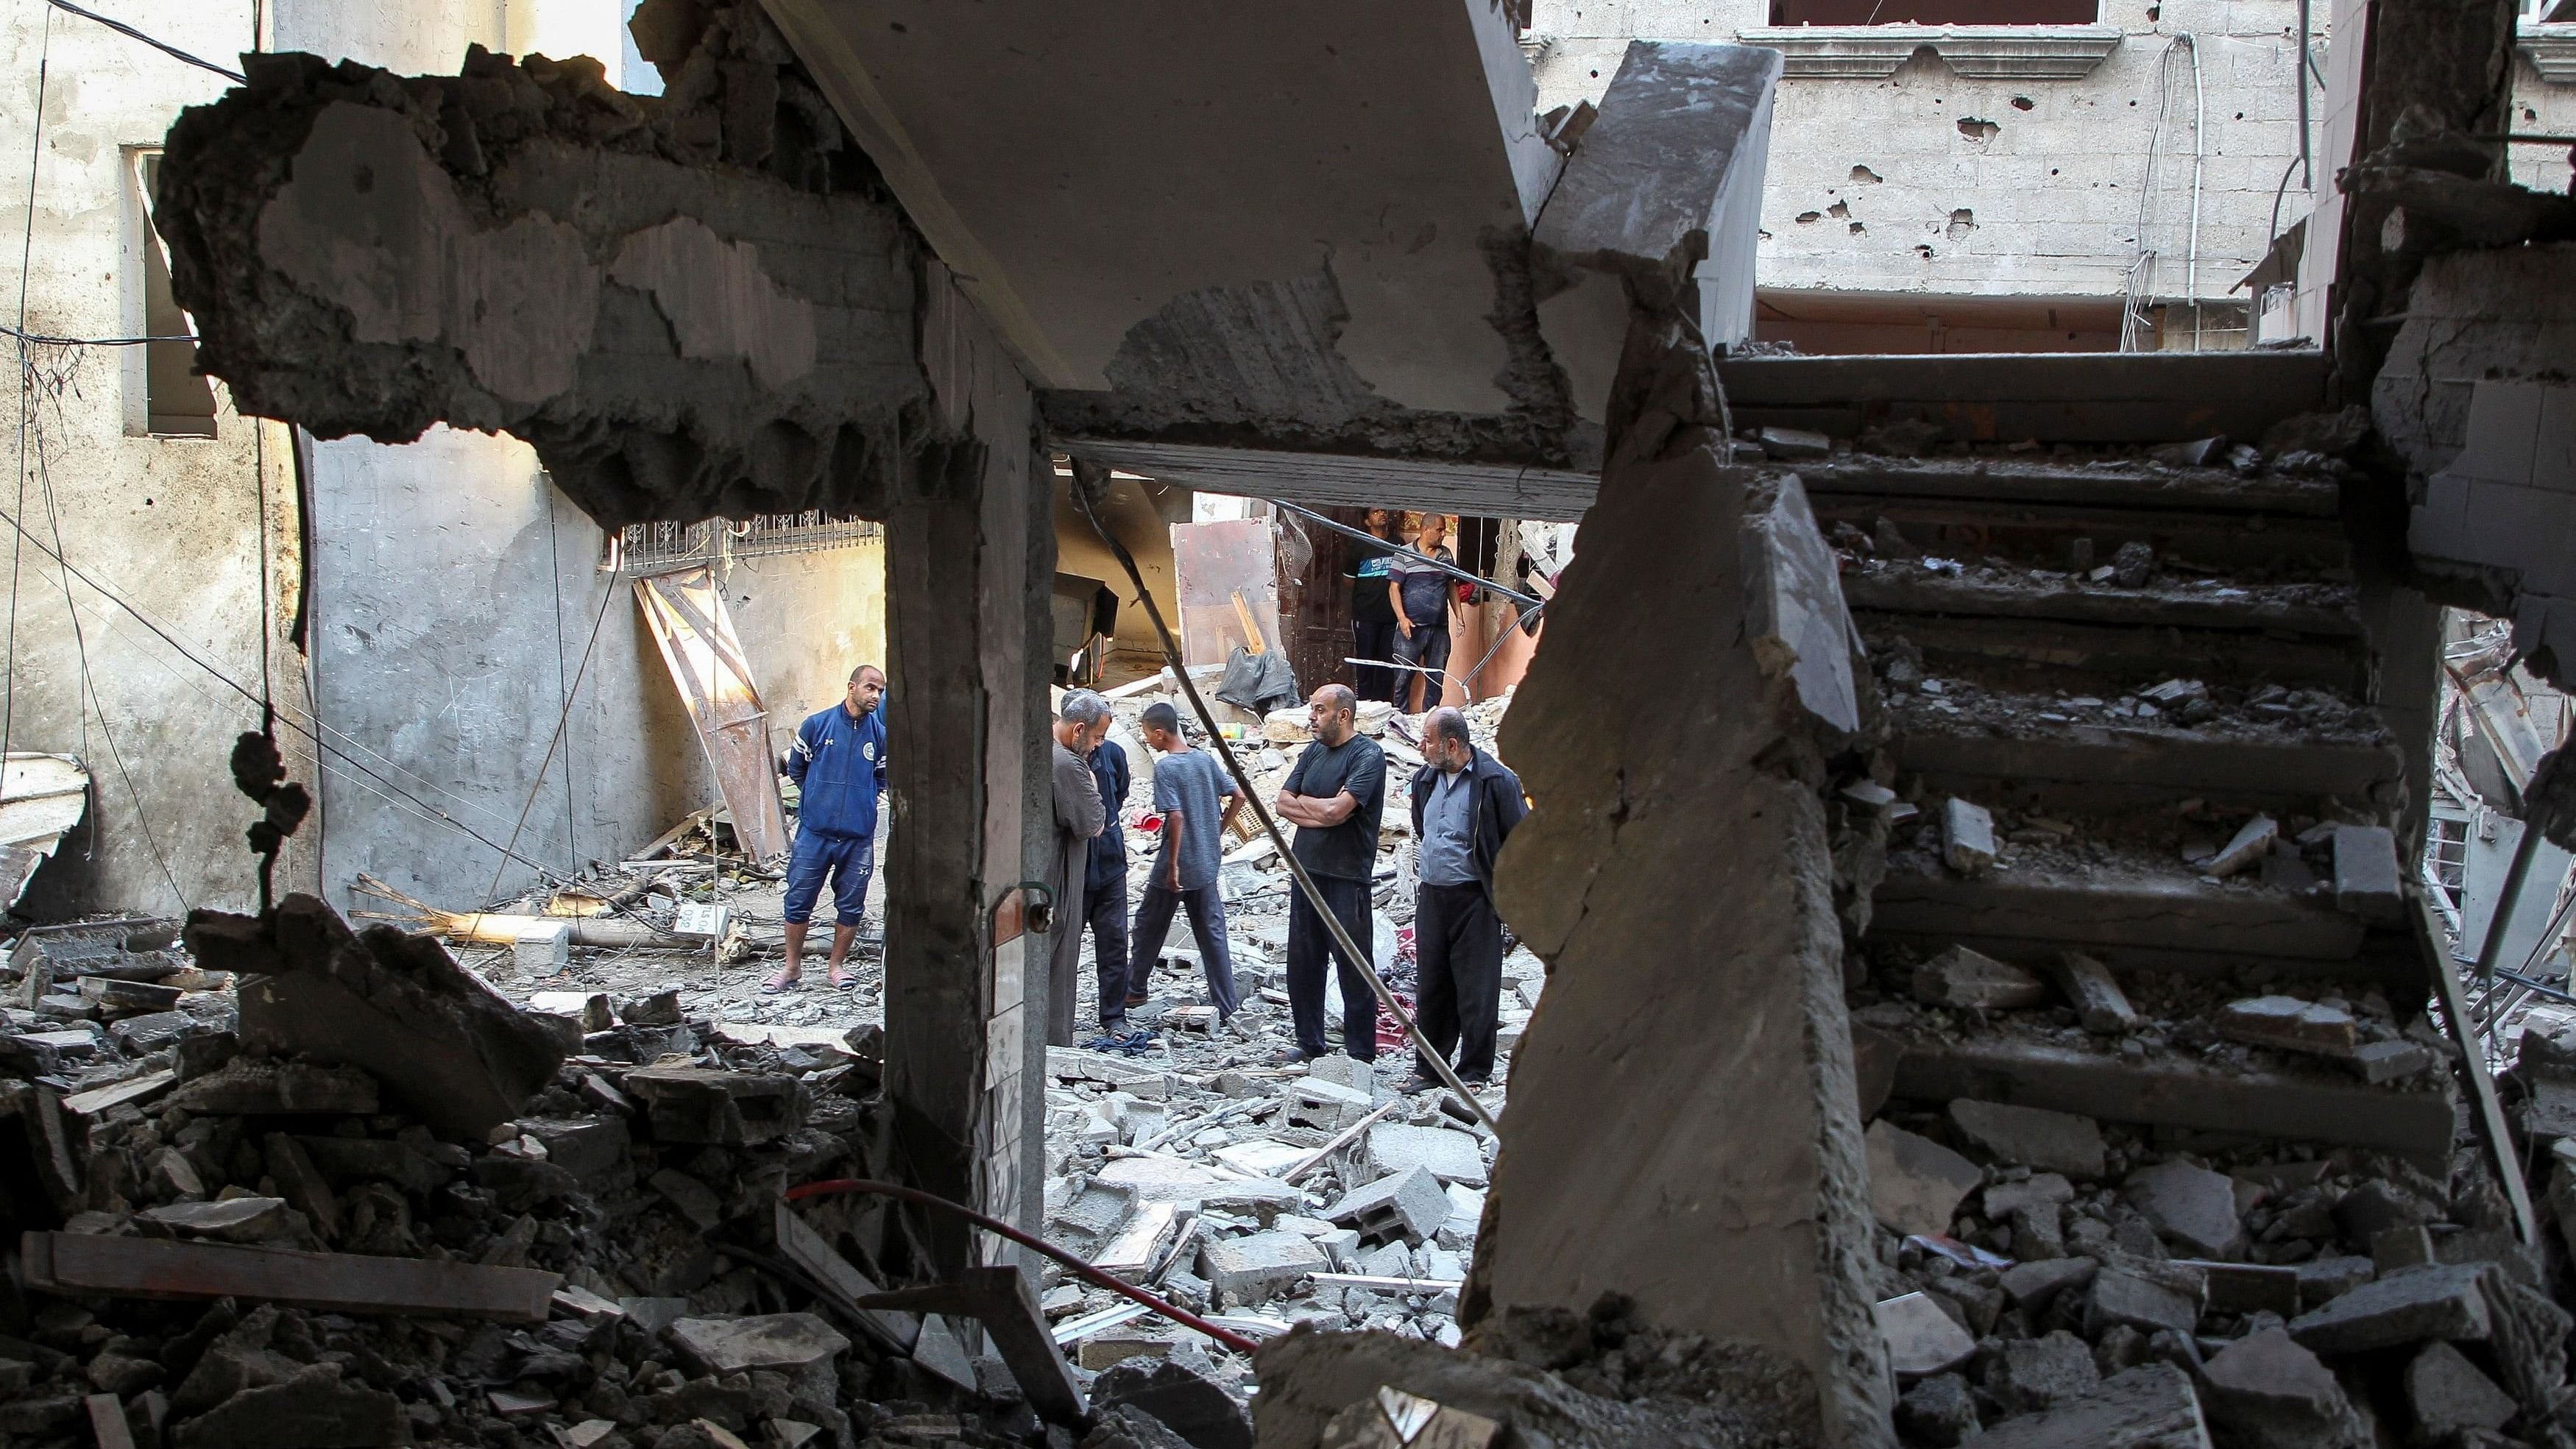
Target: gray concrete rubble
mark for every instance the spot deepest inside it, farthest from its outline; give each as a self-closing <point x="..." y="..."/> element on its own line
<point x="608" y="1263"/>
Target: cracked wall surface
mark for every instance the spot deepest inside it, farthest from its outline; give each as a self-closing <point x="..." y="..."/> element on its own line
<point x="1686" y="1096"/>
<point x="692" y="305"/>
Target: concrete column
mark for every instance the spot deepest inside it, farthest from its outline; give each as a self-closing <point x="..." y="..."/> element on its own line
<point x="1683" y="1126"/>
<point x="970" y="551"/>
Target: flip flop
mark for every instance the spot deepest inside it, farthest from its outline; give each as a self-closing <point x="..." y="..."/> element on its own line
<point x="780" y="985"/>
<point x="844" y="981"/>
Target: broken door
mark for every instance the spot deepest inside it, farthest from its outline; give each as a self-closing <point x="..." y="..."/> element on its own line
<point x="689" y="619"/>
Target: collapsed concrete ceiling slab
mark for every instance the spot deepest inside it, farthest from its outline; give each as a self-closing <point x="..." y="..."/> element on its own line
<point x="1252" y="246"/>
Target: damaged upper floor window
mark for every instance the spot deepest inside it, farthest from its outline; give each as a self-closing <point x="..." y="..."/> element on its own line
<point x="1934" y="12"/>
<point x="166" y="397"/>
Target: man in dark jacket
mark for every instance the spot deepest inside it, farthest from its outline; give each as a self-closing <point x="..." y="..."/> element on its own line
<point x="838" y="764"/>
<point x="1465" y="804"/>
<point x="1104" y="887"/>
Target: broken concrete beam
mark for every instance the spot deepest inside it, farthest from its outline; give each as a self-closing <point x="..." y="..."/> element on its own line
<point x="1915" y="1183"/>
<point x="586" y="1147"/>
<point x="1250" y="1269"/>
<point x="719" y="1108"/>
<point x="2100" y="1005"/>
<point x="2394" y="1060"/>
<point x="1410" y="1205"/>
<point x="455" y="1051"/>
<point x="1791" y="443"/>
<point x="2032" y="1137"/>
<point x="302" y="1184"/>
<point x="2189" y="1205"/>
<point x="2437" y="1301"/>
<point x="2151" y="1406"/>
<point x="1922" y="1337"/>
<point x="2265" y="1388"/>
<point x="1451" y="1156"/>
<point x="2252" y="841"/>
<point x="1795" y="619"/>
<point x="1617" y="1117"/>
<point x="266" y="1087"/>
<point x="2286" y="1023"/>
<point x="1190" y="1406"/>
<point x="2176" y="1092"/>
<point x="1961" y="979"/>
<point x="1139" y="1245"/>
<point x="75" y="1264"/>
<point x="1967" y="836"/>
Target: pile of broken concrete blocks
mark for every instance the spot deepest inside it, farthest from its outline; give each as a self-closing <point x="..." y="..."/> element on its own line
<point x="369" y="1203"/>
<point x="2048" y="1280"/>
<point x="1315" y="1197"/>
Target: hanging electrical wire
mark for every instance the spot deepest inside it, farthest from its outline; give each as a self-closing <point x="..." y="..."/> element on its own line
<point x="163" y="46"/>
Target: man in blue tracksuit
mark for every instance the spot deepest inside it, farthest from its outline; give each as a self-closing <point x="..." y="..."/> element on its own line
<point x="838" y="764"/>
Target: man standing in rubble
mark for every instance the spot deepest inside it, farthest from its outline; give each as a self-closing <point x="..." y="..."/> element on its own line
<point x="1465" y="804"/>
<point x="838" y="764"/>
<point x="1081" y="722"/>
<point x="1104" y="890"/>
<point x="1334" y="797"/>
<point x="1421" y="594"/>
<point x="1197" y="803"/>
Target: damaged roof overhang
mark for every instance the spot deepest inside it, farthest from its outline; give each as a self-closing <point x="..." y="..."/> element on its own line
<point x="1314" y="252"/>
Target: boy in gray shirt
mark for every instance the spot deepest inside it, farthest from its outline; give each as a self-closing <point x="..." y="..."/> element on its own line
<point x="1197" y="803"/>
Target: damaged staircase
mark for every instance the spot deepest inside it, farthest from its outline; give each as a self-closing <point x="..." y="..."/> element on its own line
<point x="2137" y="759"/>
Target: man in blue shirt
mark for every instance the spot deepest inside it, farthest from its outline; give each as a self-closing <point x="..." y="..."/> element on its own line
<point x="838" y="764"/>
<point x="1465" y="805"/>
<point x="1197" y="803"/>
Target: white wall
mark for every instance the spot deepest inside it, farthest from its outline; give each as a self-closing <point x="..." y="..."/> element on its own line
<point x="169" y="525"/>
<point x="2047" y="205"/>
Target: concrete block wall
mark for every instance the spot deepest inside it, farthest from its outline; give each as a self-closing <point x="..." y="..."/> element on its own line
<point x="1890" y="186"/>
<point x="2544" y="108"/>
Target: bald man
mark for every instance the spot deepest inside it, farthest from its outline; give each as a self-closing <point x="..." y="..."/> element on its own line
<point x="1334" y="797"/>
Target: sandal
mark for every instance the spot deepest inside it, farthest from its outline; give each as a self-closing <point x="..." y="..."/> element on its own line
<point x="780" y="984"/>
<point x="844" y="981"/>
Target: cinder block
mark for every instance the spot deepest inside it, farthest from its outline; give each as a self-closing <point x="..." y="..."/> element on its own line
<point x="543" y="950"/>
<point x="1250" y="1269"/>
<point x="2504" y="429"/>
<point x="1408" y="1204"/>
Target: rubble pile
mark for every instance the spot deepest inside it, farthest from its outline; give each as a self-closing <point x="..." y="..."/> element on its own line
<point x="282" y="1224"/>
<point x="2042" y="1272"/>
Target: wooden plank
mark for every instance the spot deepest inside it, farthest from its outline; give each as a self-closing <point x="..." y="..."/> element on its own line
<point x="2178" y="1092"/>
<point x="79" y="1263"/>
<point x="726" y="708"/>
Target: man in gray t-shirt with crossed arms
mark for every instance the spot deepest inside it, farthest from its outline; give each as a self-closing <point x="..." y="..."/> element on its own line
<point x="1197" y="803"/>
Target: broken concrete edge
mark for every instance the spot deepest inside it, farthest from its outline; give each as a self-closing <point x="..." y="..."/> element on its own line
<point x="566" y="211"/>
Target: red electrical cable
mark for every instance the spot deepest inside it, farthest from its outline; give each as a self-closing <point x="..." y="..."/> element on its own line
<point x="1089" y="1274"/>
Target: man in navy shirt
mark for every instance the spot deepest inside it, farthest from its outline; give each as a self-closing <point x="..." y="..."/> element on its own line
<point x="1104" y="887"/>
<point x="838" y="764"/>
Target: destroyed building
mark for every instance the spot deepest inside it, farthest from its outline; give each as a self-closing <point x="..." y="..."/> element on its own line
<point x="2043" y="917"/>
